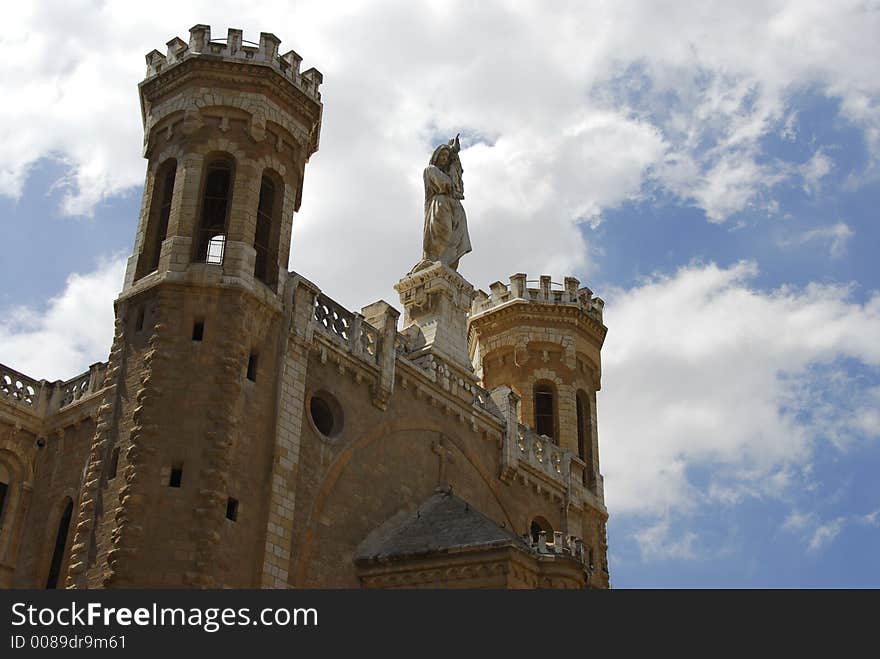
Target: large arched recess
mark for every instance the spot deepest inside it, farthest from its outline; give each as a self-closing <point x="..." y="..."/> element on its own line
<point x="390" y="468"/>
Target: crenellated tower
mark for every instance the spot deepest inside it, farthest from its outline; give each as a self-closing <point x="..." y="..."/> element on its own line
<point x="176" y="490"/>
<point x="543" y="340"/>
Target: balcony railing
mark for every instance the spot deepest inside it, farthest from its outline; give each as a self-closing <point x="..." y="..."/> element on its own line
<point x="18" y="387"/>
<point x="43" y="397"/>
<point x="348" y="327"/>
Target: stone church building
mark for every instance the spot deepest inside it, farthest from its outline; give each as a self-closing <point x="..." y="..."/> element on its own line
<point x="247" y="431"/>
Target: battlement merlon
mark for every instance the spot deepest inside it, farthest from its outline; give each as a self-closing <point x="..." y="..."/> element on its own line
<point x="548" y="292"/>
<point x="235" y="48"/>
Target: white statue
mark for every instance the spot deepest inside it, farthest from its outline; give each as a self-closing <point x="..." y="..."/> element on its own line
<point x="446" y="235"/>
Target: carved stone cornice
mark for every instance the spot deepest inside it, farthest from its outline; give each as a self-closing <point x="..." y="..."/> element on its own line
<point x="525" y="311"/>
<point x="235" y="76"/>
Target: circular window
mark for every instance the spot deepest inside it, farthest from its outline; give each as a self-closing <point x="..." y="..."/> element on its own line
<point x="326" y="413"/>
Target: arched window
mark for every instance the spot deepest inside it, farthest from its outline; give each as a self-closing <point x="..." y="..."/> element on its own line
<point x="545" y="410"/>
<point x="540" y="524"/>
<point x="5" y="480"/>
<point x="157" y="225"/>
<point x="585" y="436"/>
<point x="211" y="238"/>
<point x="60" y="546"/>
<point x="265" y="239"/>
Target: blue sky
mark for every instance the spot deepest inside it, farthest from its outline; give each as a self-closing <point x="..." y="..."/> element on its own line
<point x="710" y="170"/>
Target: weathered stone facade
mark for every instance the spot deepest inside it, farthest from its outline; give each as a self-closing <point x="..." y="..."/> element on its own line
<point x="247" y="431"/>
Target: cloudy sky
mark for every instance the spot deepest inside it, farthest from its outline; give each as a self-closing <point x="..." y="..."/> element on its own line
<point x="712" y="169"/>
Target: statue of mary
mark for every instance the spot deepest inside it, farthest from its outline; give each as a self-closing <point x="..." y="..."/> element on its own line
<point x="446" y="235"/>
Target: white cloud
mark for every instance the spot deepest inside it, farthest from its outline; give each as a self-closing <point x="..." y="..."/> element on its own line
<point x="73" y="330"/>
<point x="657" y="542"/>
<point x="701" y="371"/>
<point x="797" y="521"/>
<point x="819" y="534"/>
<point x="837" y="236"/>
<point x="814" y="170"/>
<point x="824" y="534"/>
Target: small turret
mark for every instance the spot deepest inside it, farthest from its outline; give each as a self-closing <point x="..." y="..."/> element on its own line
<point x="544" y="342"/>
<point x="228" y="128"/>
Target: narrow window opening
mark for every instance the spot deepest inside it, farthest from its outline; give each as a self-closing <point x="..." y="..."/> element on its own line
<point x="198" y="330"/>
<point x="176" y="475"/>
<point x="580" y="427"/>
<point x="60" y="544"/>
<point x="544" y="412"/>
<point x="114" y="464"/>
<point x="215" y="211"/>
<point x="252" y="367"/>
<point x="263" y="235"/>
<point x="585" y="442"/>
<point x="157" y="227"/>
<point x="139" y="321"/>
<point x="232" y="509"/>
<point x="591" y="558"/>
<point x="164" y="214"/>
<point x="4" y="487"/>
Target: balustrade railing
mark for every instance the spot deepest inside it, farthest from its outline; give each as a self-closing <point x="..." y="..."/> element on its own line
<point x="332" y="316"/>
<point x="47" y="397"/>
<point x="18" y="387"/>
<point x="369" y="339"/>
<point x="351" y="328"/>
<point x="540" y="451"/>
<point x="483" y="400"/>
<point x="75" y="389"/>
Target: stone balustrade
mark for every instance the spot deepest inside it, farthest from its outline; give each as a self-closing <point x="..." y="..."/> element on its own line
<point x="75" y="389"/>
<point x="44" y="397"/>
<point x="357" y="334"/>
<point x="233" y="47"/>
<point x="18" y="388"/>
<point x="547" y="292"/>
<point x="559" y="544"/>
<point x="540" y="452"/>
<point x="483" y="400"/>
<point x="562" y="466"/>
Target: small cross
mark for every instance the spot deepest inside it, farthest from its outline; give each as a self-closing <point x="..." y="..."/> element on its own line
<point x="445" y="456"/>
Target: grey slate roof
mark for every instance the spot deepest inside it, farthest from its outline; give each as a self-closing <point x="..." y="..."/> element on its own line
<point x="443" y="523"/>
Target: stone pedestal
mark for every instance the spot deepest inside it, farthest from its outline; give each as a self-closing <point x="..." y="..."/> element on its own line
<point x="436" y="302"/>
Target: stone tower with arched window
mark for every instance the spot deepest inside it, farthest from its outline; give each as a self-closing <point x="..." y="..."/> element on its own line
<point x="543" y="340"/>
<point x="183" y="448"/>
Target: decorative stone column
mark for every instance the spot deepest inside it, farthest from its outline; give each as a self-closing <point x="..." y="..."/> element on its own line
<point x="436" y="301"/>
